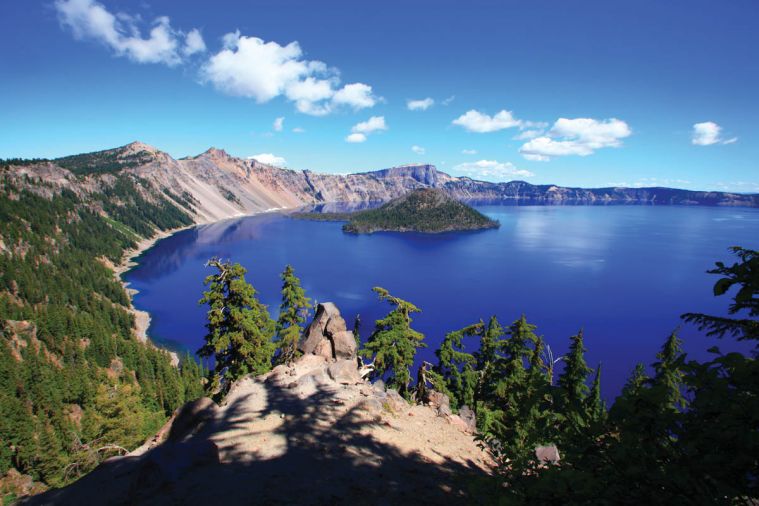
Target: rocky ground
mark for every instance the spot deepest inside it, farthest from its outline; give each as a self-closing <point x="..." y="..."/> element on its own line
<point x="313" y="432"/>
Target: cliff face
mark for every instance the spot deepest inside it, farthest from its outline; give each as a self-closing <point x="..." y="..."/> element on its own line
<point x="220" y="186"/>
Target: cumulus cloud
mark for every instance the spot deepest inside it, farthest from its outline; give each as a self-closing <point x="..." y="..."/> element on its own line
<point x="269" y="159"/>
<point x="420" y="105"/>
<point x="708" y="133"/>
<point x="355" y="95"/>
<point x="88" y="19"/>
<point x="527" y="135"/>
<point x="250" y="67"/>
<point x="279" y="124"/>
<point x="476" y="121"/>
<point x="491" y="170"/>
<point x="579" y="136"/>
<point x="356" y="138"/>
<point x="468" y="151"/>
<point x="418" y="149"/>
<point x="360" y="131"/>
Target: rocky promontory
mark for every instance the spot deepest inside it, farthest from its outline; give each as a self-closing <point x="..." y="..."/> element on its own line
<point x="313" y="432"/>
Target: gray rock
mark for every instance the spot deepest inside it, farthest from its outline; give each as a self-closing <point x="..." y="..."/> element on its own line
<point x="379" y="385"/>
<point x="469" y="418"/>
<point x="344" y="372"/>
<point x="327" y="335"/>
<point x="396" y="402"/>
<point x="344" y="344"/>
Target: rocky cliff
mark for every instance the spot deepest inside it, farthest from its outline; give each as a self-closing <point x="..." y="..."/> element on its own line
<point x="215" y="185"/>
<point x="313" y="432"/>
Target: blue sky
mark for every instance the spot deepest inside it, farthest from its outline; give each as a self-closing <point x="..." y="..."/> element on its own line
<point x="591" y="93"/>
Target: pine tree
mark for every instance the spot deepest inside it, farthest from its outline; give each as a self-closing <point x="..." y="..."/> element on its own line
<point x="669" y="374"/>
<point x="456" y="367"/>
<point x="240" y="330"/>
<point x="572" y="383"/>
<point x="394" y="343"/>
<point x="293" y="312"/>
<point x="595" y="407"/>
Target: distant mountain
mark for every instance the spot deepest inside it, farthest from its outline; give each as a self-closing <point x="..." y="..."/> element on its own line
<point x="429" y="210"/>
<point x="214" y="185"/>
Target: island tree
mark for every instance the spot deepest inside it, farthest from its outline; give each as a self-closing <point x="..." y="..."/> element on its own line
<point x="393" y="343"/>
<point x="293" y="312"/>
<point x="240" y="331"/>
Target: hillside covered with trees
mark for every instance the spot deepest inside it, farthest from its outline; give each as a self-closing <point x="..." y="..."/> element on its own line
<point x="76" y="385"/>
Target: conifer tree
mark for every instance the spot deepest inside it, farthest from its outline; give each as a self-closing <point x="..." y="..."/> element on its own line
<point x="595" y="406"/>
<point x="240" y="330"/>
<point x="293" y="312"/>
<point x="669" y="374"/>
<point x="572" y="383"/>
<point x="394" y="343"/>
<point x="456" y="367"/>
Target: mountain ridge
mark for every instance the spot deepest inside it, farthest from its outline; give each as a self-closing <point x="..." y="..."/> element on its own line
<point x="215" y="185"/>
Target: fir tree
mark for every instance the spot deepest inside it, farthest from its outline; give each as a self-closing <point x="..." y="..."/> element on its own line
<point x="572" y="383"/>
<point x="456" y="367"/>
<point x="240" y="330"/>
<point x="595" y="407"/>
<point x="293" y="312"/>
<point x="393" y="343"/>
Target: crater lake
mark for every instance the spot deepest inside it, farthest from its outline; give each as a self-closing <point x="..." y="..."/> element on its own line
<point x="624" y="274"/>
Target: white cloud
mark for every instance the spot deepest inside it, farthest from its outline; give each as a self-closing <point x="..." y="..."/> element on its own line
<point x="355" y="95"/>
<point x="269" y="159"/>
<point x="250" y="67"/>
<point x="89" y="19"/>
<point x="420" y="105"/>
<point x="468" y="151"/>
<point x="527" y="135"/>
<point x="356" y="138"/>
<point x="373" y="124"/>
<point x="475" y="121"/>
<point x="492" y="170"/>
<point x="193" y="43"/>
<point x="279" y="124"/>
<point x="708" y="133"/>
<point x="360" y="131"/>
<point x="448" y="100"/>
<point x="298" y="130"/>
<point x="418" y="149"/>
<point x="579" y="136"/>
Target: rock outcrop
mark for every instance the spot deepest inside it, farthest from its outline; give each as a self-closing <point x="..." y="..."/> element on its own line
<point x="328" y="336"/>
<point x="300" y="434"/>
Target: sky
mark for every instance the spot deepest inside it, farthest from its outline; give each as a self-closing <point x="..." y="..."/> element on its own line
<point x="581" y="93"/>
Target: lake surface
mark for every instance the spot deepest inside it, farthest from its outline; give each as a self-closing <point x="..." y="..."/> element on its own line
<point x="623" y="273"/>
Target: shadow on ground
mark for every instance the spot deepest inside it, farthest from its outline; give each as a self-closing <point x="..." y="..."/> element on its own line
<point x="326" y="453"/>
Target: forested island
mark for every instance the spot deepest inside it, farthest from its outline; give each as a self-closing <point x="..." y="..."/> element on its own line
<point x="424" y="210"/>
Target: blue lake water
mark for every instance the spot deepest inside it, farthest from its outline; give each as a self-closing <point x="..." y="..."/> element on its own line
<point x="623" y="273"/>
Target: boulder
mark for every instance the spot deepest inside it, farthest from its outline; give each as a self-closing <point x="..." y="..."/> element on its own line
<point x="547" y="454"/>
<point x="396" y="402"/>
<point x="469" y="418"/>
<point x="327" y="335"/>
<point x="344" y="344"/>
<point x="439" y="402"/>
<point x="345" y="372"/>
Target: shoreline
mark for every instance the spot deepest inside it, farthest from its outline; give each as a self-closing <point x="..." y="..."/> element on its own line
<point x="128" y="262"/>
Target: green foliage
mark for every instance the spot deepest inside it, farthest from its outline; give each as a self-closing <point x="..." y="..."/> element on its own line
<point x="240" y="331"/>
<point x="456" y="367"/>
<point x="422" y="210"/>
<point x="393" y="343"/>
<point x="66" y="330"/>
<point x="102" y="162"/>
<point x="293" y="312"/>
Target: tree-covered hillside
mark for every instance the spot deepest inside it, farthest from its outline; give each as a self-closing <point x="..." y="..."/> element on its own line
<point x="76" y="386"/>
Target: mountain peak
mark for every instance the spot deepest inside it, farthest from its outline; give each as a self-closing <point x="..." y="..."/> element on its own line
<point x="138" y="147"/>
<point x="214" y="152"/>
